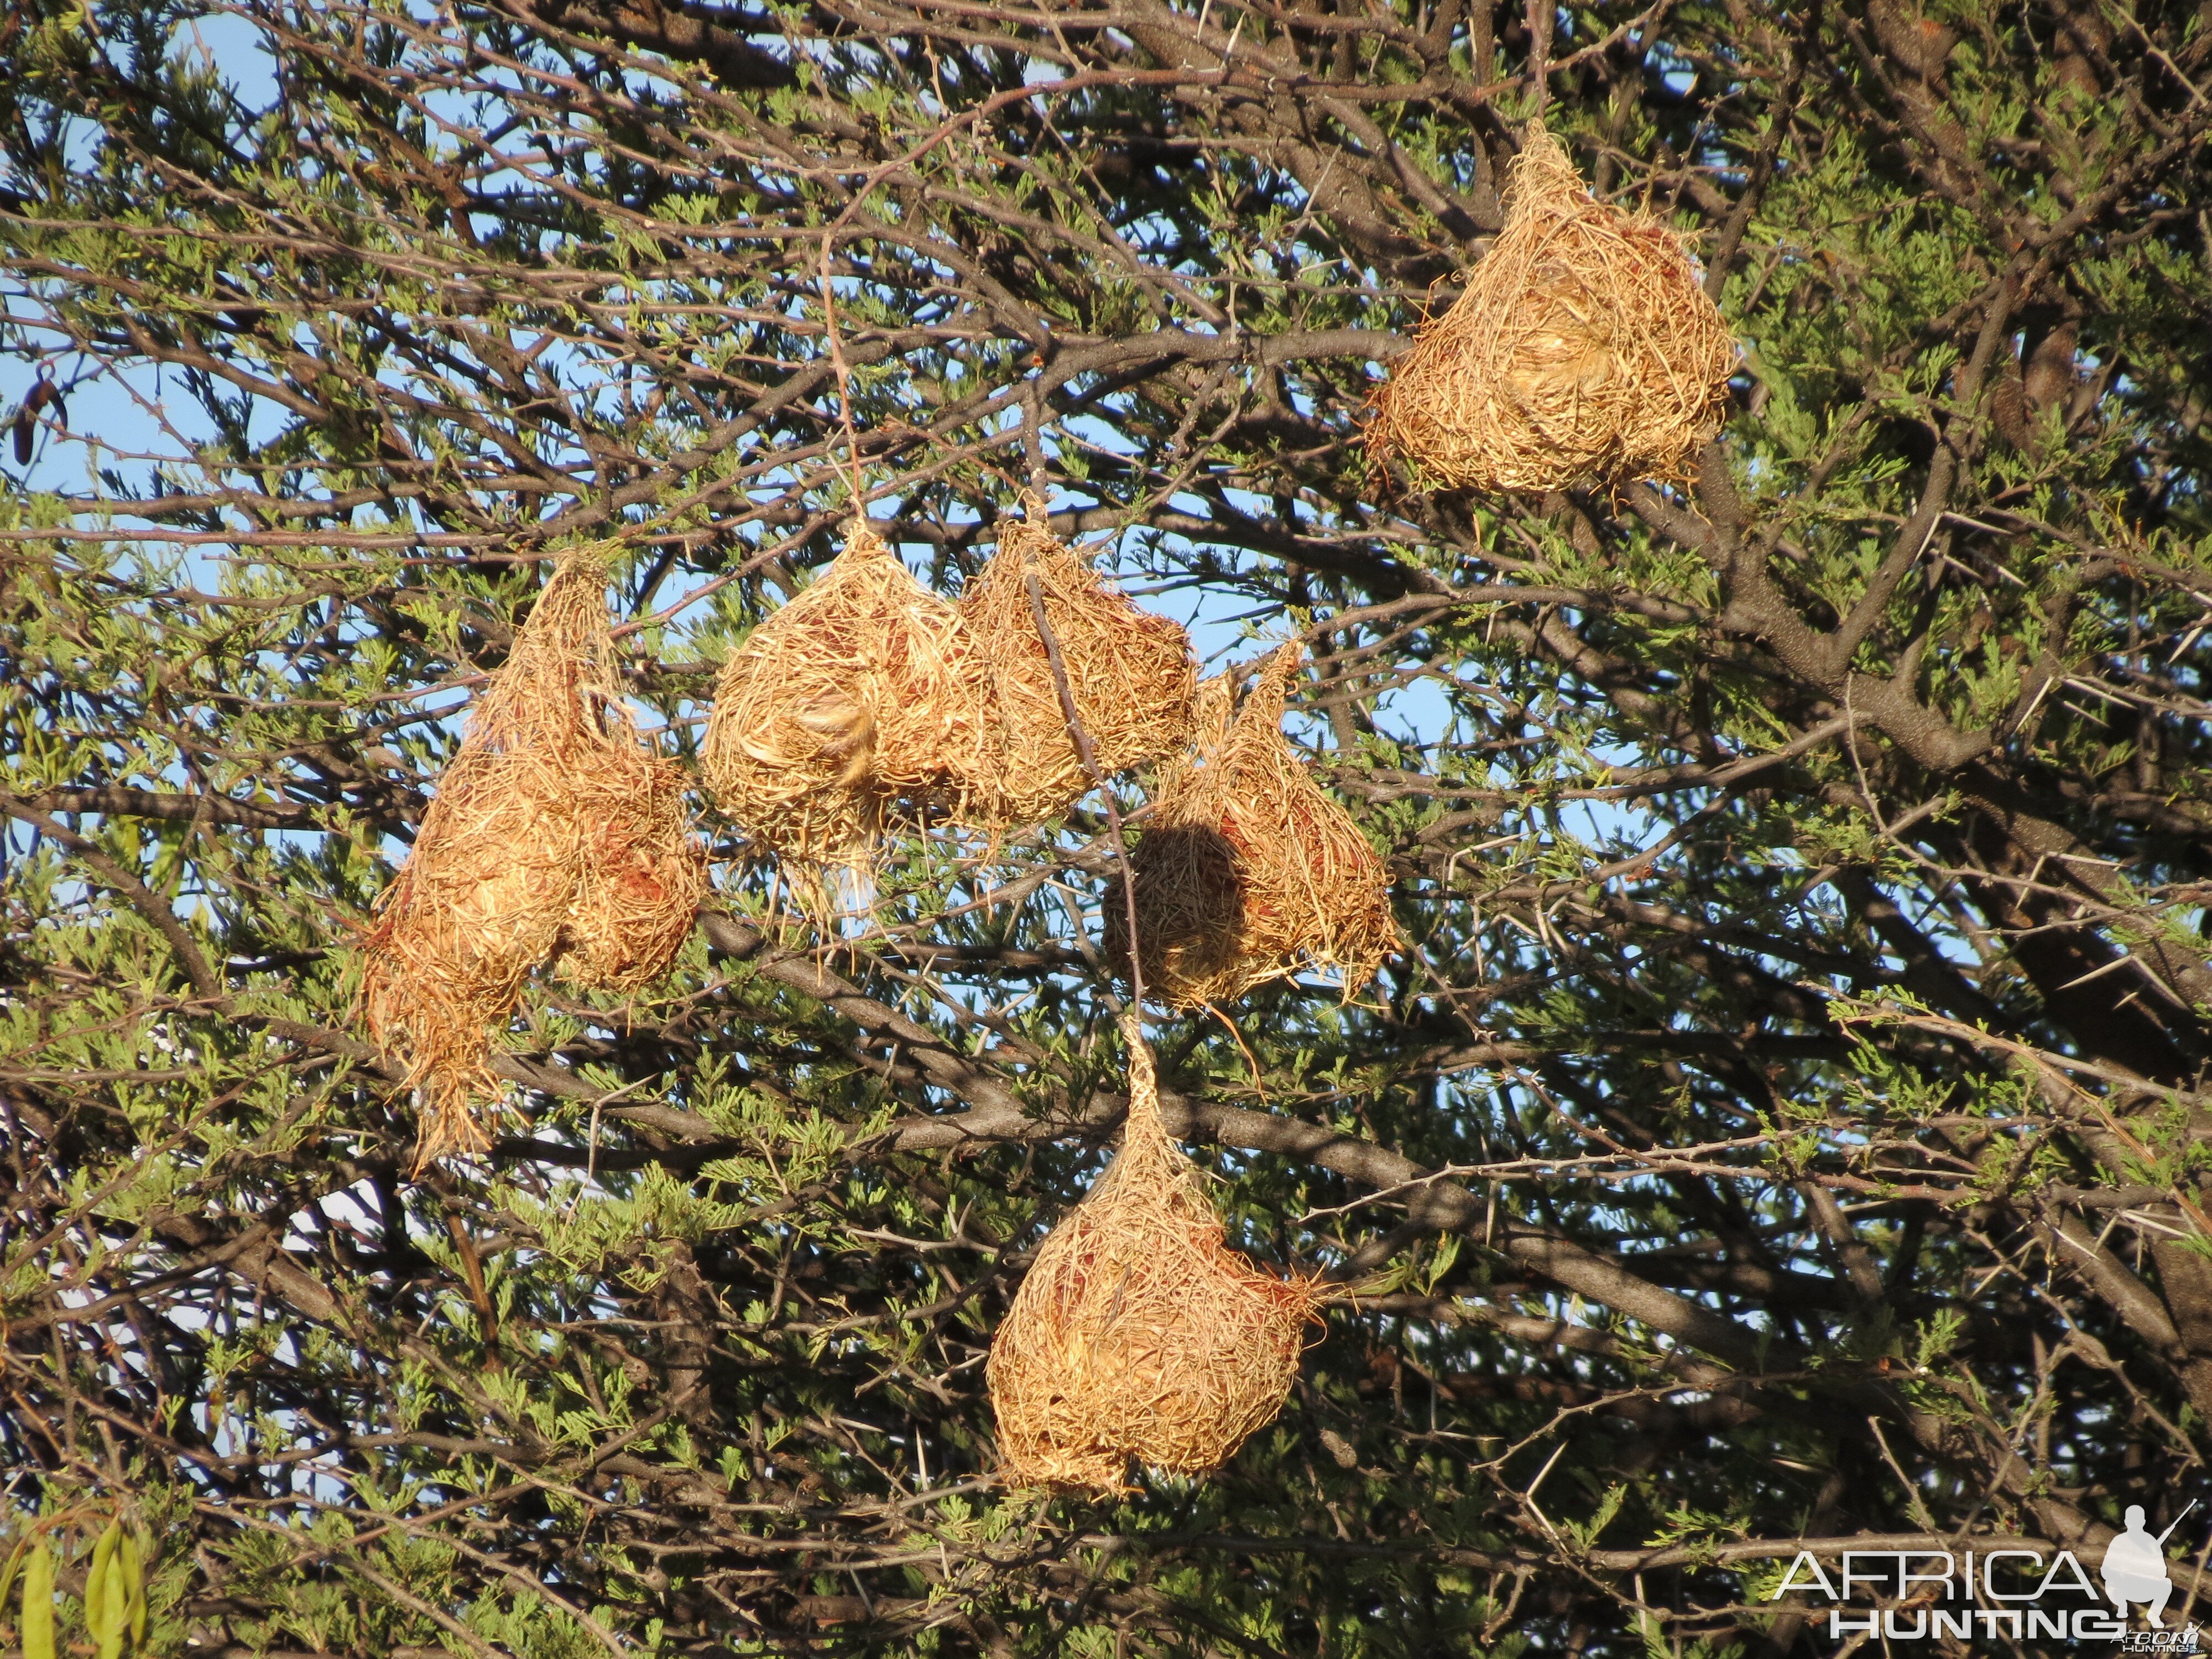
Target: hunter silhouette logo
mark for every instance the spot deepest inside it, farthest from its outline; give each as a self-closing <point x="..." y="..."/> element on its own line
<point x="2134" y="1568"/>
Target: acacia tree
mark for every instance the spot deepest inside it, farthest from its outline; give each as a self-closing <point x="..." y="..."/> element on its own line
<point x="1784" y="1122"/>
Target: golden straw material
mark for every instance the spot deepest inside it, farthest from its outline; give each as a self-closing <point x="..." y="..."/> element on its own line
<point x="478" y="903"/>
<point x="642" y="877"/>
<point x="1249" y="872"/>
<point x="554" y="833"/>
<point x="1583" y="347"/>
<point x="857" y="704"/>
<point x="1139" y="1333"/>
<point x="1129" y="672"/>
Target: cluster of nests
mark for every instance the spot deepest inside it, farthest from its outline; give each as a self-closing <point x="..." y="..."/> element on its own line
<point x="1583" y="347"/>
<point x="558" y="840"/>
<point x="865" y="707"/>
<point x="869" y="703"/>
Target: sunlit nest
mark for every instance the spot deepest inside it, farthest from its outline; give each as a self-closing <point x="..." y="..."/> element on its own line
<point x="554" y="834"/>
<point x="856" y="708"/>
<point x="1139" y="1333"/>
<point x="1584" y="347"/>
<point x="642" y="877"/>
<point x="1129" y="675"/>
<point x="1246" y="872"/>
<point x="478" y="904"/>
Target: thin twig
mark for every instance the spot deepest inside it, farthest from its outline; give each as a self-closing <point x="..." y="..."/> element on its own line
<point x="141" y="898"/>
<point x="1081" y="739"/>
<point x="1769" y="147"/>
<point x="844" y="371"/>
<point x="1539" y="52"/>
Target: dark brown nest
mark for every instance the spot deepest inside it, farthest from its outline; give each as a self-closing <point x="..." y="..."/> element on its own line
<point x="1248" y="871"/>
<point x="1139" y="1333"/>
<point x="554" y="834"/>
<point x="1583" y="347"/>
<point x="1128" y="670"/>
<point x="858" y="705"/>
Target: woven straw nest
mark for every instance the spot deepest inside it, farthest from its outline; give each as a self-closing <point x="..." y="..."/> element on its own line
<point x="556" y="838"/>
<point x="1129" y="672"/>
<point x="858" y="705"/>
<point x="1584" y="347"/>
<point x="1248" y="871"/>
<point x="1138" y="1333"/>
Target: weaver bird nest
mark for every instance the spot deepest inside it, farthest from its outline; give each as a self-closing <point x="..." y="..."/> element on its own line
<point x="1129" y="674"/>
<point x="1246" y="872"/>
<point x="858" y="706"/>
<point x="1139" y="1333"/>
<point x="556" y="838"/>
<point x="1583" y="347"/>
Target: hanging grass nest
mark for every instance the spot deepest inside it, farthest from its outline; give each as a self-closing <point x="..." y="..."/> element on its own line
<point x="856" y="705"/>
<point x="1583" y="347"/>
<point x="1139" y="1333"/>
<point x="1246" y="872"/>
<point x="1129" y="671"/>
<point x="554" y="834"/>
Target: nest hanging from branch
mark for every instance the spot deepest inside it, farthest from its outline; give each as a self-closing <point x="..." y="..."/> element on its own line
<point x="858" y="705"/>
<point x="1248" y="871"/>
<point x="1583" y="347"/>
<point x="1139" y="1333"/>
<point x="1129" y="671"/>
<point x="554" y="834"/>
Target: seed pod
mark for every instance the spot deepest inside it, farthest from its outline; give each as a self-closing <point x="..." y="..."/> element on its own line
<point x="131" y="1557"/>
<point x="37" y="1626"/>
<point x="106" y="1599"/>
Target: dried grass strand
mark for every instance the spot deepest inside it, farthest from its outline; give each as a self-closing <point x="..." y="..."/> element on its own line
<point x="1138" y="1333"/>
<point x="1583" y="347"/>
